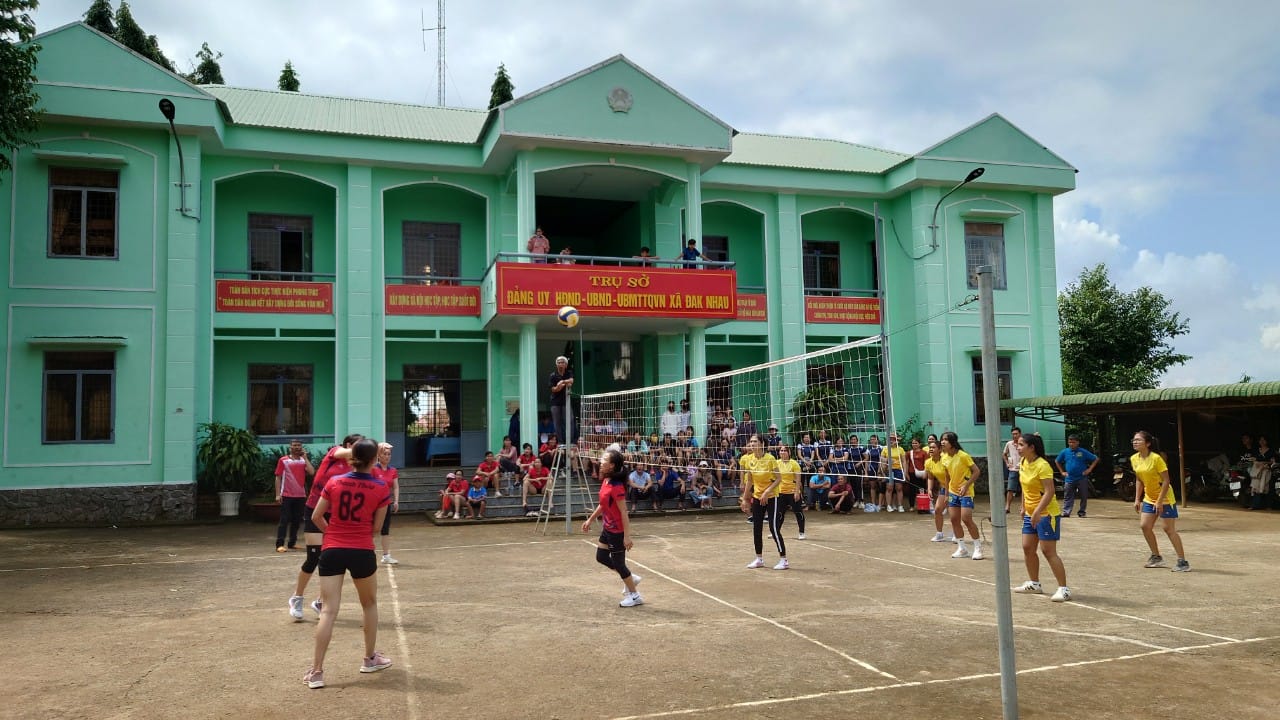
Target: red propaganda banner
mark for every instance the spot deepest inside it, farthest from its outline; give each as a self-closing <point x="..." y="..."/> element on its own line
<point x="752" y="307"/>
<point x="433" y="300"/>
<point x="262" y="296"/>
<point x="858" y="310"/>
<point x="542" y="289"/>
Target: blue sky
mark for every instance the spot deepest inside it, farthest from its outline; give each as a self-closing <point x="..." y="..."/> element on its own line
<point x="1171" y="110"/>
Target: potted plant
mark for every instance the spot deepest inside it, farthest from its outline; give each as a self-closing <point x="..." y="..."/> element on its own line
<point x="231" y="463"/>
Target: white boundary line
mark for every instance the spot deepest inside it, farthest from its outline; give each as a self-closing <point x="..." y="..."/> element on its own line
<point x="989" y="583"/>
<point x="402" y="640"/>
<point x="940" y="681"/>
<point x="860" y="663"/>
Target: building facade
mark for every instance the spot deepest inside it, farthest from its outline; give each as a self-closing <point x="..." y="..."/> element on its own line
<point x="310" y="266"/>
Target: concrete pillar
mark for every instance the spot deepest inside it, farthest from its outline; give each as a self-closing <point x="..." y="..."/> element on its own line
<point x="693" y="204"/>
<point x="698" y="394"/>
<point x="182" y="331"/>
<point x="526" y="203"/>
<point x="358" y="379"/>
<point x="530" y="383"/>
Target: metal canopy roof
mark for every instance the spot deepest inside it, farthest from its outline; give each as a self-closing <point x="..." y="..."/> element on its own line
<point x="1131" y="401"/>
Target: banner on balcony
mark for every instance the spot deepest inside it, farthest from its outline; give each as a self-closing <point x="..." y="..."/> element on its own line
<point x="859" y="310"/>
<point x="538" y="289"/>
<point x="752" y="306"/>
<point x="263" y="296"/>
<point x="433" y="300"/>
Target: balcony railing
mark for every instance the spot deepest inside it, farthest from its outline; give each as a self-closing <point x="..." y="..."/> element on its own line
<point x="275" y="275"/>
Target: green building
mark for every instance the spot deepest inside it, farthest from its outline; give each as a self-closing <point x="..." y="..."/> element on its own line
<point x="310" y="266"/>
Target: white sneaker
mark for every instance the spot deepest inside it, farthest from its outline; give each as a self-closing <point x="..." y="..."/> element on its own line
<point x="1030" y="587"/>
<point x="977" y="552"/>
<point x="937" y="537"/>
<point x="800" y="536"/>
<point x="757" y="563"/>
<point x="961" y="552"/>
<point x="295" y="607"/>
<point x="388" y="560"/>
<point x="635" y="578"/>
<point x="782" y="565"/>
<point x="457" y="516"/>
<point x="1063" y="594"/>
<point x="317" y="606"/>
<point x="890" y="508"/>
<point x="951" y="539"/>
<point x="900" y="509"/>
<point x="631" y="600"/>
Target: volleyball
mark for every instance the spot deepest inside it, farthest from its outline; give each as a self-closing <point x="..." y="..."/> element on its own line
<point x="568" y="316"/>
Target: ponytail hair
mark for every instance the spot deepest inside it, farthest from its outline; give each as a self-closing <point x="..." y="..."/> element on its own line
<point x="1153" y="443"/>
<point x="953" y="440"/>
<point x="1036" y="442"/>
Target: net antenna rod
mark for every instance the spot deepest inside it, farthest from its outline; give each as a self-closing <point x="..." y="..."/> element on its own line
<point x="440" y="48"/>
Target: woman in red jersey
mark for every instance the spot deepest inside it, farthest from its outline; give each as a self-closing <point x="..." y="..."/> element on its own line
<point x="330" y="466"/>
<point x="615" y="538"/>
<point x="356" y="504"/>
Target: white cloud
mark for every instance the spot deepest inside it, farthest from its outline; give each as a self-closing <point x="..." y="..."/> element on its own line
<point x="1082" y="244"/>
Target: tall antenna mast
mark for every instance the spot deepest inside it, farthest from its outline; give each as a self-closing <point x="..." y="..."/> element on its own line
<point x="440" y="64"/>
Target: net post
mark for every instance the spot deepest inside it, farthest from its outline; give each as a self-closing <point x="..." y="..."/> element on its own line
<point x="999" y="521"/>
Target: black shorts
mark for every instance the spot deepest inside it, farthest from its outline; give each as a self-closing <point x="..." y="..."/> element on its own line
<point x="360" y="563"/>
<point x="309" y="525"/>
<point x="613" y="541"/>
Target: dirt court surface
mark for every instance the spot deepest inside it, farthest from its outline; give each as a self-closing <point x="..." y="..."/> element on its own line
<point x="498" y="621"/>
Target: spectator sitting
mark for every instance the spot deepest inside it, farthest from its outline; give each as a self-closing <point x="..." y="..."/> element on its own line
<point x="618" y="425"/>
<point x="508" y="457"/>
<point x="476" y="499"/>
<point x="487" y="473"/>
<point x="639" y="485"/>
<point x="525" y="461"/>
<point x="773" y="440"/>
<point x="453" y="497"/>
<point x="702" y="494"/>
<point x="819" y="487"/>
<point x="669" y="485"/>
<point x="534" y="483"/>
<point x="564" y="256"/>
<point x="705" y="472"/>
<point x="725" y="464"/>
<point x="547" y="453"/>
<point x="841" y="496"/>
<point x="546" y="427"/>
<point x="637" y="448"/>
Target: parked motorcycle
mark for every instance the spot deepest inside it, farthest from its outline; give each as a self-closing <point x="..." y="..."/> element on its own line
<point x="1122" y="477"/>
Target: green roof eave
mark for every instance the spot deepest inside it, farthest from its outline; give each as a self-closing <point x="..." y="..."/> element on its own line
<point x="920" y="172"/>
<point x="1199" y="394"/>
<point x="347" y="148"/>
<point x="816" y="181"/>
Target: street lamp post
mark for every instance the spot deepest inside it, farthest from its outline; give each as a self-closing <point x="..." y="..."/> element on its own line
<point x="974" y="174"/>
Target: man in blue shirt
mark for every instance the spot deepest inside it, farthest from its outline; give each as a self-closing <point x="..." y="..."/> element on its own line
<point x="1076" y="464"/>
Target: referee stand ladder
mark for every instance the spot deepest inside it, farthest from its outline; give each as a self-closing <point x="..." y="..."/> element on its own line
<point x="567" y="480"/>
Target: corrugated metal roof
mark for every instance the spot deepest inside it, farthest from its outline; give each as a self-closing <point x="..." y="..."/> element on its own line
<point x="348" y="116"/>
<point x="810" y="154"/>
<point x="1159" y="395"/>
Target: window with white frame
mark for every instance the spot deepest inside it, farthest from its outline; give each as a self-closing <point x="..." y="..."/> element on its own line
<point x="280" y="247"/>
<point x="1004" y="384"/>
<point x="433" y="250"/>
<point x="79" y="397"/>
<point x="984" y="245"/>
<point x="83" y="212"/>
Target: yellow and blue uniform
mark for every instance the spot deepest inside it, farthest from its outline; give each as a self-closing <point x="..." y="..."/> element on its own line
<point x="937" y="469"/>
<point x="1031" y="475"/>
<point x="959" y="466"/>
<point x="1149" y="474"/>
<point x="758" y="471"/>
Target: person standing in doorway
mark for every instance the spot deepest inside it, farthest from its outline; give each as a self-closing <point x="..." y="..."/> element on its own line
<point x="539" y="245"/>
<point x="560" y="382"/>
<point x="1076" y="465"/>
<point x="1154" y="497"/>
<point x="291" y="482"/>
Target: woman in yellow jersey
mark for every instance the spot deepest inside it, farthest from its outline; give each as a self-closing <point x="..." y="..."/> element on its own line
<point x="962" y="473"/>
<point x="789" y="489"/>
<point x="935" y="470"/>
<point x="895" y="483"/>
<point x="1154" y="496"/>
<point x="1041" y="518"/>
<point x="760" y="481"/>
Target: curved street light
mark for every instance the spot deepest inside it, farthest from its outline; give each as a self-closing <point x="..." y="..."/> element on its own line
<point x="974" y="174"/>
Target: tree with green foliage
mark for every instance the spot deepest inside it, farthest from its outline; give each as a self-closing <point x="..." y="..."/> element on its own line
<point x="18" y="114"/>
<point x="289" y="78"/>
<point x="156" y="55"/>
<point x="1113" y="340"/>
<point x="131" y="35"/>
<point x="207" y="71"/>
<point x="502" y="89"/>
<point x="99" y="17"/>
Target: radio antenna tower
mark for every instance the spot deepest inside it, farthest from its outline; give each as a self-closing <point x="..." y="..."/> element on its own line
<point x="440" y="64"/>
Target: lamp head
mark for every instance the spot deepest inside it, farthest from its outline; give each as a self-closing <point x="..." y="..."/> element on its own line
<point x="167" y="109"/>
<point x="974" y="174"/>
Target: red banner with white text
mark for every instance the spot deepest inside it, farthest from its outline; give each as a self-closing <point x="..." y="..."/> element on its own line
<point x="542" y="289"/>
<point x="858" y="310"/>
<point x="264" y="296"/>
<point x="433" y="300"/>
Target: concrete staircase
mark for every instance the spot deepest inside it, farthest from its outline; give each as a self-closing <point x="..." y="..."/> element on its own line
<point x="420" y="493"/>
